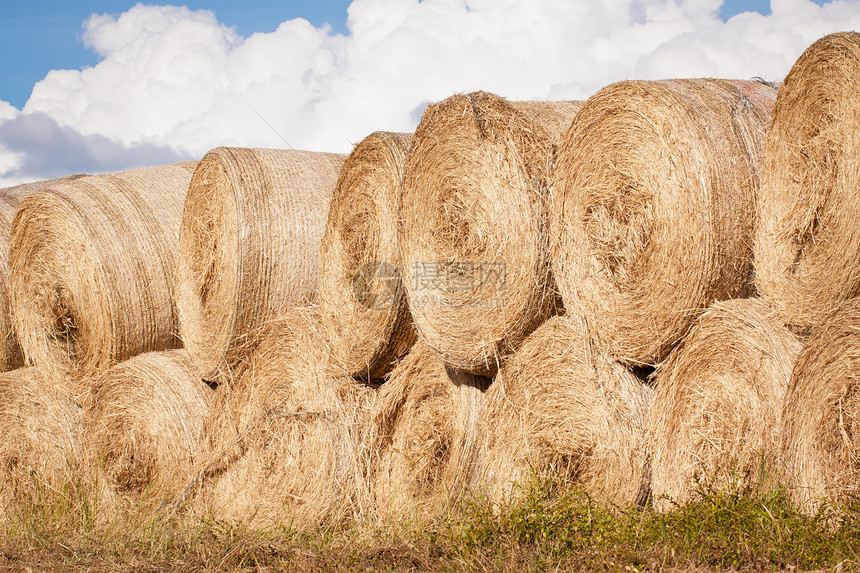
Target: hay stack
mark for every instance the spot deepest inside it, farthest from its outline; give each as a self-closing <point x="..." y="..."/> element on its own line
<point x="807" y="245"/>
<point x="92" y="270"/>
<point x="11" y="356"/>
<point x="362" y="300"/>
<point x="472" y="231"/>
<point x="425" y="430"/>
<point x="821" y="440"/>
<point x="10" y="351"/>
<point x="39" y="442"/>
<point x="654" y="207"/>
<point x="249" y="247"/>
<point x="144" y="421"/>
<point x="717" y="411"/>
<point x="288" y="441"/>
<point x="562" y="410"/>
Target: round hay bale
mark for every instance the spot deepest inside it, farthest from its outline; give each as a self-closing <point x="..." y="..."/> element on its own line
<point x="144" y="422"/>
<point x="362" y="300"/>
<point x="288" y="441"/>
<point x="91" y="264"/>
<point x="807" y="245"/>
<point x="425" y="434"/>
<point x="39" y="442"/>
<point x="716" y="416"/>
<point x="564" y="411"/>
<point x="11" y="356"/>
<point x="654" y="207"/>
<point x="821" y="439"/>
<point x="248" y="247"/>
<point x="472" y="225"/>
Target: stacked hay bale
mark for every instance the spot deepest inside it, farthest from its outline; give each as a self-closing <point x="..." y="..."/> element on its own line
<point x="287" y="442"/>
<point x="39" y="444"/>
<point x="249" y="246"/>
<point x="11" y="356"/>
<point x="472" y="232"/>
<point x="425" y="435"/>
<point x="653" y="208"/>
<point x="821" y="441"/>
<point x="562" y="409"/>
<point x="362" y="301"/>
<point x="144" y="424"/>
<point x="91" y="264"/>
<point x="716" y="416"/>
<point x="807" y="246"/>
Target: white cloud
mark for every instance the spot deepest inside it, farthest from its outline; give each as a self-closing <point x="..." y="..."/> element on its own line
<point x="175" y="81"/>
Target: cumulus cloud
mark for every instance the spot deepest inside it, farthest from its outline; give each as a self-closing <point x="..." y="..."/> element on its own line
<point x="43" y="149"/>
<point x="172" y="82"/>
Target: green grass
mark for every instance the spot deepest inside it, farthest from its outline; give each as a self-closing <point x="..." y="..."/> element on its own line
<point x="550" y="528"/>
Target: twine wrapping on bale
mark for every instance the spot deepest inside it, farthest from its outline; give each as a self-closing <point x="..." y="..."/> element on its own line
<point x="653" y="207"/>
<point x="821" y="440"/>
<point x="11" y="356"/>
<point x="715" y="420"/>
<point x="425" y="434"/>
<point x="362" y="300"/>
<point x="144" y="422"/>
<point x="249" y="247"/>
<point x="562" y="410"/>
<point x="288" y="440"/>
<point x="39" y="442"/>
<point x="92" y="270"/>
<point x="472" y="225"/>
<point x="808" y="243"/>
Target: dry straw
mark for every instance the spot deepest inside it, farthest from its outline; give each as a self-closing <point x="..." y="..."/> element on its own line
<point x="654" y="207"/>
<point x="807" y="246"/>
<point x="715" y="420"/>
<point x="473" y="225"/>
<point x="562" y="410"/>
<point x="92" y="270"/>
<point x="144" y="422"/>
<point x="362" y="300"/>
<point x="425" y="434"/>
<point x="39" y="442"/>
<point x="287" y="442"/>
<point x="11" y="356"/>
<point x="249" y="247"/>
<point x="821" y="440"/>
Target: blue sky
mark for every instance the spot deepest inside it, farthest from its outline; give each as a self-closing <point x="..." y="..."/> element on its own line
<point x="46" y="34"/>
<point x="107" y="85"/>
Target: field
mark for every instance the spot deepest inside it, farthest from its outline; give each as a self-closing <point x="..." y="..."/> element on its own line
<point x="553" y="528"/>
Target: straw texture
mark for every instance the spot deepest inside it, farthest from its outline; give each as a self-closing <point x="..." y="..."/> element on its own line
<point x="39" y="442"/>
<point x="288" y="441"/>
<point x="92" y="262"/>
<point x="362" y="300"/>
<point x="808" y="244"/>
<point x="425" y="433"/>
<point x="11" y="356"/>
<point x="716" y="416"/>
<point x="561" y="409"/>
<point x="821" y="442"/>
<point x="654" y="207"/>
<point x="144" y="421"/>
<point x="473" y="225"/>
<point x="249" y="247"/>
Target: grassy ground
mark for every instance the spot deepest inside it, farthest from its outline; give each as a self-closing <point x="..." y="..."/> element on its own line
<point x="550" y="529"/>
